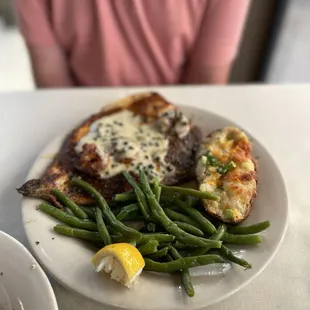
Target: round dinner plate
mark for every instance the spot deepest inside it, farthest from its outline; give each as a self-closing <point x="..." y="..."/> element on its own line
<point x="68" y="260"/>
<point x="23" y="283"/>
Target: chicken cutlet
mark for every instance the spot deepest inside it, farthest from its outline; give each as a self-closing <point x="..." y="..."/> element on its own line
<point x="142" y="131"/>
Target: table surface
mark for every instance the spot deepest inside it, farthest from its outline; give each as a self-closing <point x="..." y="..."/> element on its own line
<point x="278" y="116"/>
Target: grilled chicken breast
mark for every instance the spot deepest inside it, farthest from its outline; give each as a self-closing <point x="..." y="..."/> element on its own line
<point x="140" y="131"/>
<point x="226" y="168"/>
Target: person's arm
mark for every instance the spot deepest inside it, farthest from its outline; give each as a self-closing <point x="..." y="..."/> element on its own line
<point x="217" y="43"/>
<point x="49" y="63"/>
<point x="49" y="67"/>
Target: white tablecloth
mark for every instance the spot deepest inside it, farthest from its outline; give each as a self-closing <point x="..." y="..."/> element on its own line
<point x="278" y="116"/>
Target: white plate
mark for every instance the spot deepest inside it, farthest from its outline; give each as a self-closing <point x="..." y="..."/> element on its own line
<point x="23" y="283"/>
<point x="68" y="260"/>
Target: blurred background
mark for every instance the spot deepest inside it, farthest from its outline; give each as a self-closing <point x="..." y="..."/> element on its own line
<point x="275" y="47"/>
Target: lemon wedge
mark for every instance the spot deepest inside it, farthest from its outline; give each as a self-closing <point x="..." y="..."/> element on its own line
<point x="122" y="261"/>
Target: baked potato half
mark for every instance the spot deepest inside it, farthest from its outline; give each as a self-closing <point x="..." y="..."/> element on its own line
<point x="226" y="167"/>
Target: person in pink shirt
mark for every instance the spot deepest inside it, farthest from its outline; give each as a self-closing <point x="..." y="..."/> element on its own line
<point x="131" y="42"/>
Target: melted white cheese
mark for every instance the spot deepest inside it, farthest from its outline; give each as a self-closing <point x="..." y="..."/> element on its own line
<point x="129" y="143"/>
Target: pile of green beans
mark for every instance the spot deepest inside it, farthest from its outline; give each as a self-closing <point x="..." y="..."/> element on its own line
<point x="175" y="236"/>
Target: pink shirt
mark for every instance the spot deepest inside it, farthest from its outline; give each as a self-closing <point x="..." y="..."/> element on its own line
<point x="135" y="42"/>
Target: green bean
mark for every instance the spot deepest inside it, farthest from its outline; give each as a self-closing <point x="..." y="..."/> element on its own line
<point x="185" y="275"/>
<point x="151" y="227"/>
<point x="124" y="213"/>
<point x="142" y="201"/>
<point x="157" y="189"/>
<point x="87" y="208"/>
<point x="68" y="211"/>
<point x="248" y="230"/>
<point x="66" y="218"/>
<point x="176" y="216"/>
<point x="77" y="233"/>
<point x="84" y="234"/>
<point x="89" y="211"/>
<point x="131" y="196"/>
<point x="113" y="232"/>
<point x="160" y="237"/>
<point x="203" y="222"/>
<point x="160" y="253"/>
<point x="218" y="235"/>
<point x="166" y="198"/>
<point x="181" y="246"/>
<point x="192" y="201"/>
<point x="135" y="217"/>
<point x="229" y="255"/>
<point x="106" y="211"/>
<point x="168" y="258"/>
<point x="149" y="248"/>
<point x="66" y="201"/>
<point x="126" y="196"/>
<point x="182" y="263"/>
<point x="242" y="239"/>
<point x="102" y="229"/>
<point x="189" y="228"/>
<point x="191" y="192"/>
<point x="169" y="225"/>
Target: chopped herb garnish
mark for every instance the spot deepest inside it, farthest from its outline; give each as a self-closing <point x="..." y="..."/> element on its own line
<point x="210" y="160"/>
<point x="221" y="170"/>
<point x="227" y="167"/>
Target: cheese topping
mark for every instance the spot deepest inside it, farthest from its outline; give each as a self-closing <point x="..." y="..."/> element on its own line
<point x="235" y="187"/>
<point x="127" y="142"/>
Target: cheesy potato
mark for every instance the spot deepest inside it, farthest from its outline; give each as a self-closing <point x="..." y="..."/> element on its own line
<point x="225" y="167"/>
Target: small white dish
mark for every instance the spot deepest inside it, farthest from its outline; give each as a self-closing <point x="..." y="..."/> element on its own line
<point x="68" y="259"/>
<point x="23" y="283"/>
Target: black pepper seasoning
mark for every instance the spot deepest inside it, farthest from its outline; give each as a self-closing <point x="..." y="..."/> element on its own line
<point x="169" y="169"/>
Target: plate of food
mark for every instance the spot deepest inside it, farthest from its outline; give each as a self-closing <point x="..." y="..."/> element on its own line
<point x="23" y="283"/>
<point x="149" y="205"/>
